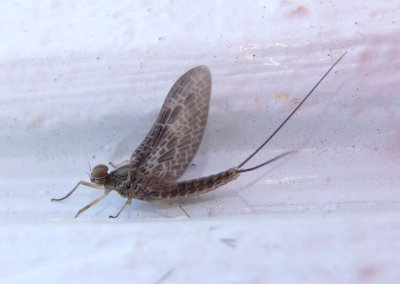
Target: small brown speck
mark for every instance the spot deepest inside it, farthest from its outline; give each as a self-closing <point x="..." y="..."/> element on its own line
<point x="300" y="11"/>
<point x="282" y="97"/>
<point x="367" y="273"/>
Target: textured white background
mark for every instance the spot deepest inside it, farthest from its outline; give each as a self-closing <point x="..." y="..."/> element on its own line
<point x="83" y="81"/>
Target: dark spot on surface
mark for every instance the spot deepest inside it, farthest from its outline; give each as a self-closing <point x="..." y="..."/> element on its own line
<point x="230" y="242"/>
<point x="164" y="277"/>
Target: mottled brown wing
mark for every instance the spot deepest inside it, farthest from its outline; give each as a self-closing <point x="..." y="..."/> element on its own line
<point x="172" y="142"/>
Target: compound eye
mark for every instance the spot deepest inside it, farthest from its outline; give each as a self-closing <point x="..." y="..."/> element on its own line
<point x="99" y="174"/>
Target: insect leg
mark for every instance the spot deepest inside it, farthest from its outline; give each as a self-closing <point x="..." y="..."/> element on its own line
<point x="183" y="210"/>
<point x="128" y="202"/>
<point x="88" y="184"/>
<point x="92" y="203"/>
<point x="120" y="164"/>
<point x="160" y="203"/>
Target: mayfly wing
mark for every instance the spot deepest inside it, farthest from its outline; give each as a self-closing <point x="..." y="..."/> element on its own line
<point x="172" y="142"/>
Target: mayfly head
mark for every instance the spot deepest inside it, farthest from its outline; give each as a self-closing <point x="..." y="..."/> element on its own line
<point x="99" y="174"/>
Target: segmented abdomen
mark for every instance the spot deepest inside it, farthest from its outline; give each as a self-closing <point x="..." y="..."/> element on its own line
<point x="194" y="186"/>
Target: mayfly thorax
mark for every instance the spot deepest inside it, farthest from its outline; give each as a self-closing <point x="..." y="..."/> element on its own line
<point x="152" y="172"/>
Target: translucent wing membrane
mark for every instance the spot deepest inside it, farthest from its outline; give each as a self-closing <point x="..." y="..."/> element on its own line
<point x="172" y="142"/>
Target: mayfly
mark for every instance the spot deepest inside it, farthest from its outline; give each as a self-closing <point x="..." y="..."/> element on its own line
<point x="154" y="168"/>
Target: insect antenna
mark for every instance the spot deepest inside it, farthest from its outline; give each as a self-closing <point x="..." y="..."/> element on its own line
<point x="90" y="168"/>
<point x="283" y="123"/>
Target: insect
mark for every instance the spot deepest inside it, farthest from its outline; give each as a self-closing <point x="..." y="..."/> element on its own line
<point x="166" y="152"/>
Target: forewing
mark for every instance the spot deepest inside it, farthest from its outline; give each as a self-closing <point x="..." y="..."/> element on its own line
<point x="175" y="137"/>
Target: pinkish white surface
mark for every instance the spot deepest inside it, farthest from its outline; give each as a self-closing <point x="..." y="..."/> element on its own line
<point x="84" y="81"/>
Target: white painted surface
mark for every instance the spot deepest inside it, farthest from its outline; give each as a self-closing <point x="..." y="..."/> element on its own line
<point x="82" y="81"/>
